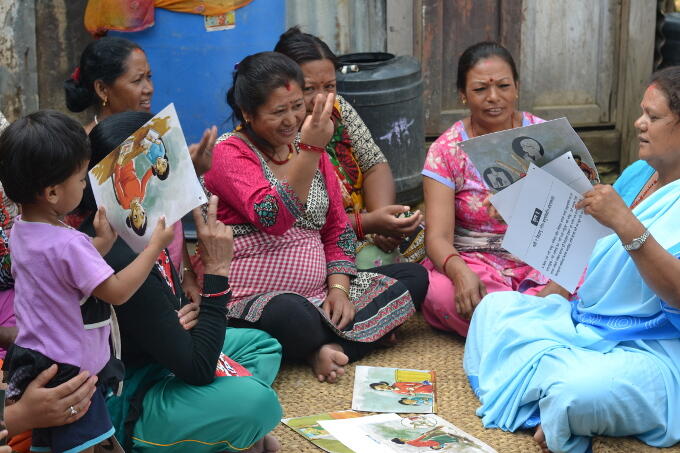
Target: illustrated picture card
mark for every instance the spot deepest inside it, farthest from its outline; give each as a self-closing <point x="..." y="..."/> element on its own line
<point x="309" y="428"/>
<point x="390" y="433"/>
<point x="504" y="157"/>
<point x="380" y="389"/>
<point x="147" y="176"/>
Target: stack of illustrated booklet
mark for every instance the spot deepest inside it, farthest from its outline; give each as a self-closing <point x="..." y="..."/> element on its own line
<point x="378" y="389"/>
<point x="147" y="176"/>
<point x="545" y="230"/>
<point x="388" y="433"/>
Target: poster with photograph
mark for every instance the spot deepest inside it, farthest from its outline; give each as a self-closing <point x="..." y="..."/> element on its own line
<point x="379" y="389"/>
<point x="147" y="176"/>
<point x="386" y="433"/>
<point x="504" y="157"/>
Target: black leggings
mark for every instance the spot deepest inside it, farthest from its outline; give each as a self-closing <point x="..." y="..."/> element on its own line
<point x="301" y="330"/>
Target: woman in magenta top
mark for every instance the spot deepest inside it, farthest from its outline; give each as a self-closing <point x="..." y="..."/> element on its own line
<point x="293" y="273"/>
<point x="465" y="258"/>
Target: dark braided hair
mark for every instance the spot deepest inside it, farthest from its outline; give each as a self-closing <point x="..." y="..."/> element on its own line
<point x="303" y="47"/>
<point x="481" y="51"/>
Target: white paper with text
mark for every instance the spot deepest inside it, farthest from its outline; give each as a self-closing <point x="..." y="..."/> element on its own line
<point x="547" y="232"/>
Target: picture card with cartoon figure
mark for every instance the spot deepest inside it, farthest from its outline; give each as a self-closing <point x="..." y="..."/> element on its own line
<point x="147" y="176"/>
<point x="308" y="427"/>
<point x="387" y="433"/>
<point x="504" y="157"/>
<point x="379" y="389"/>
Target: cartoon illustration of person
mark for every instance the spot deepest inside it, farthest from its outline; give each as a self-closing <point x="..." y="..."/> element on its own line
<point x="528" y="148"/>
<point x="416" y="400"/>
<point x="435" y="439"/>
<point x="403" y="388"/>
<point x="130" y="192"/>
<point x="498" y="178"/>
<point x="589" y="172"/>
<point x="154" y="151"/>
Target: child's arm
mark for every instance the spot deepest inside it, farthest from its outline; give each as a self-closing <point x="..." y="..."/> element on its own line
<point x="118" y="288"/>
<point x="104" y="234"/>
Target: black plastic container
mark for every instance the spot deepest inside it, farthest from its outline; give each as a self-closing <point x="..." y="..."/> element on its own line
<point x="387" y="92"/>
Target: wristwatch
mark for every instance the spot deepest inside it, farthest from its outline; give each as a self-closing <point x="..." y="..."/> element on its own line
<point x="637" y="242"/>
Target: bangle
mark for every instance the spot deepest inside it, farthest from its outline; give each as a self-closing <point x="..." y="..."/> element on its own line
<point x="359" y="228"/>
<point x="340" y="287"/>
<point x="306" y="147"/>
<point x="221" y="293"/>
<point x="446" y="261"/>
<point x="189" y="269"/>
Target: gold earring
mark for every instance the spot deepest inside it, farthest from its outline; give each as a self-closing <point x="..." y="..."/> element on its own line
<point x="464" y="101"/>
<point x="104" y="102"/>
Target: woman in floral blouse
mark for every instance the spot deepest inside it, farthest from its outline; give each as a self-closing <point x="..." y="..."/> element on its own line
<point x="465" y="258"/>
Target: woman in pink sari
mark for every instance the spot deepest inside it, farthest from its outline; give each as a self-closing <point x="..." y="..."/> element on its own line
<point x="465" y="258"/>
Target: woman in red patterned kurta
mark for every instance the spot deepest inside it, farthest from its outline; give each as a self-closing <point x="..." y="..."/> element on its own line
<point x="293" y="272"/>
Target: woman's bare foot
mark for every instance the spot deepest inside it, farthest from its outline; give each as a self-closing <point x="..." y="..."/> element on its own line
<point x="539" y="437"/>
<point x="388" y="340"/>
<point x="328" y="362"/>
<point x="268" y="444"/>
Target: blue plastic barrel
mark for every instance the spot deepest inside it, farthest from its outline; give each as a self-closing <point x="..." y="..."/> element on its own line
<point x="193" y="67"/>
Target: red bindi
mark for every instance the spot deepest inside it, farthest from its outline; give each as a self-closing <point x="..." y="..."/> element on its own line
<point x="491" y="80"/>
<point x="287" y="85"/>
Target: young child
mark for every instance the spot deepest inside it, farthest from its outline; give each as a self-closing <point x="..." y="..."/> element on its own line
<point x="61" y="279"/>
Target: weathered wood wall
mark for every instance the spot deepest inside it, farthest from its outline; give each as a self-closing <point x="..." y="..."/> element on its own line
<point x="18" y="72"/>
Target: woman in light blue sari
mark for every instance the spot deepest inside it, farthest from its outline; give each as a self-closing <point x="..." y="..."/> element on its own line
<point x="607" y="362"/>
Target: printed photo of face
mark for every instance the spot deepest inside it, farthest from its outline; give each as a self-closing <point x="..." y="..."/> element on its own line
<point x="527" y="148"/>
<point x="497" y="178"/>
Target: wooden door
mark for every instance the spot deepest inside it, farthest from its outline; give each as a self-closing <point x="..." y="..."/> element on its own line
<point x="569" y="60"/>
<point x="443" y="30"/>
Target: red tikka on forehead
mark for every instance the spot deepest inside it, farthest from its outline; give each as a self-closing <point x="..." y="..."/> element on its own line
<point x="652" y="86"/>
<point x="287" y="85"/>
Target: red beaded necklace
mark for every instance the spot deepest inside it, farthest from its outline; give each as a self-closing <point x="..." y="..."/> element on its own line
<point x="283" y="161"/>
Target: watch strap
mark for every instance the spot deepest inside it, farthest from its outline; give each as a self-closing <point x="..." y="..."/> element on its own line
<point x="636" y="243"/>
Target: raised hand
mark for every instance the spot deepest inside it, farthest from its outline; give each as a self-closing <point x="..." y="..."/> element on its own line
<point x="317" y="128"/>
<point x="215" y="240"/>
<point x="201" y="152"/>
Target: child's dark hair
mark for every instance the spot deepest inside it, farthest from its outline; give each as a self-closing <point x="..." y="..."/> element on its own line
<point x="104" y="138"/>
<point x="256" y="76"/>
<point x="303" y="47"/>
<point x="40" y="150"/>
<point x="374" y="385"/>
<point x="481" y="51"/>
<point x="103" y="59"/>
<point x="668" y="81"/>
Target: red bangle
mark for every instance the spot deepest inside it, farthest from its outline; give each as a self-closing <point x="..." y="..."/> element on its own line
<point x="360" y="230"/>
<point x="447" y="260"/>
<point x="306" y="147"/>
<point x="221" y="293"/>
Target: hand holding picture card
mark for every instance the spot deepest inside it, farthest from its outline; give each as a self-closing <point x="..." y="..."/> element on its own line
<point x="503" y="157"/>
<point x="147" y="176"/>
<point x="547" y="231"/>
<point x="390" y="433"/>
<point x="378" y="389"/>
